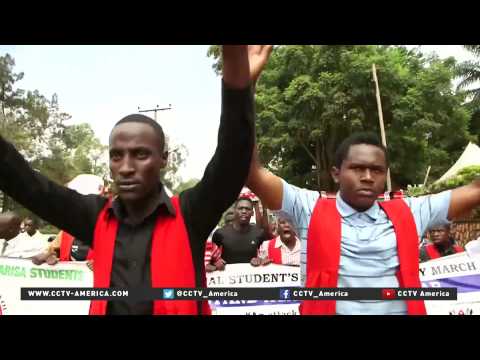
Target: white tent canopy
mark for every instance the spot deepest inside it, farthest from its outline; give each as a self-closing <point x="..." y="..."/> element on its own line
<point x="470" y="156"/>
<point x="86" y="184"/>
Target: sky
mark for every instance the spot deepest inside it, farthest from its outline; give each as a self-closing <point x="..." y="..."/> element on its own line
<point x="101" y="84"/>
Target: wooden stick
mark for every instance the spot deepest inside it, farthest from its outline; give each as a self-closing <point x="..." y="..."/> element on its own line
<point x="426" y="176"/>
<point x="380" y="116"/>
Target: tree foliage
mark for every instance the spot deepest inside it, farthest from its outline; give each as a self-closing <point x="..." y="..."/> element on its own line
<point x="39" y="130"/>
<point x="311" y="97"/>
<point x="469" y="72"/>
<point x="463" y="177"/>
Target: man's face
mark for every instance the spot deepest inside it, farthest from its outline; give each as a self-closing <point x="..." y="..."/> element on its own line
<point x="243" y="212"/>
<point x="362" y="176"/>
<point x="29" y="227"/>
<point x="440" y="236"/>
<point x="285" y="230"/>
<point x="135" y="160"/>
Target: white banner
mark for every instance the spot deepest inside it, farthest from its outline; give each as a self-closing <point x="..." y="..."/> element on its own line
<point x="18" y="273"/>
<point x="460" y="271"/>
<point x="245" y="275"/>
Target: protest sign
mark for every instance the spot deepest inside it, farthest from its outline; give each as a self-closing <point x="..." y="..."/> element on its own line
<point x="18" y="273"/>
<point x="460" y="271"/>
<point x="245" y="275"/>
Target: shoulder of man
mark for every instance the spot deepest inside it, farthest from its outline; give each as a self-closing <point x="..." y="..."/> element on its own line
<point x="261" y="232"/>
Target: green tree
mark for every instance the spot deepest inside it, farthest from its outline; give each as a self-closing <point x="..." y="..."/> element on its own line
<point x="215" y="51"/>
<point x="23" y="116"/>
<point x="469" y="72"/>
<point x="86" y="150"/>
<point x="38" y="129"/>
<point x="310" y="98"/>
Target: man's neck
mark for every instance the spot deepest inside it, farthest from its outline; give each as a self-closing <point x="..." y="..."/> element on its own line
<point x="138" y="211"/>
<point x="352" y="206"/>
<point x="442" y="247"/>
<point x="289" y="242"/>
<point x="241" y="227"/>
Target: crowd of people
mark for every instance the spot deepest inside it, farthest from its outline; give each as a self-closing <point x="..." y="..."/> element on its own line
<point x="139" y="237"/>
<point x="237" y="241"/>
<point x="261" y="243"/>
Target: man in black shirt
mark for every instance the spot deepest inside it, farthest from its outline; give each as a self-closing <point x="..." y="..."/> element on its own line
<point x="136" y="157"/>
<point x="239" y="242"/>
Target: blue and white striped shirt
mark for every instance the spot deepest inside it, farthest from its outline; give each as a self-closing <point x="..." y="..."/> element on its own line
<point x="368" y="256"/>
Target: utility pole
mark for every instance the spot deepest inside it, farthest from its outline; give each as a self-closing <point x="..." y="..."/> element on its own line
<point x="380" y="116"/>
<point x="155" y="110"/>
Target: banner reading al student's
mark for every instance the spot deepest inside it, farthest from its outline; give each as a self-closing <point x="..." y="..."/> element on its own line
<point x="18" y="273"/>
<point x="245" y="275"/>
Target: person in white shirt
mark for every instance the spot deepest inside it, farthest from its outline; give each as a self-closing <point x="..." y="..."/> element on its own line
<point x="30" y="242"/>
<point x="9" y="229"/>
<point x="283" y="249"/>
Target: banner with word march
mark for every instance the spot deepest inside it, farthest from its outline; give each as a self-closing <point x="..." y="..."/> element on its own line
<point x="460" y="271"/>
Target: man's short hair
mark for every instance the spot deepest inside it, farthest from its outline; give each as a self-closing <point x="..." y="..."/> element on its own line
<point x="243" y="198"/>
<point x="367" y="138"/>
<point x="139" y="118"/>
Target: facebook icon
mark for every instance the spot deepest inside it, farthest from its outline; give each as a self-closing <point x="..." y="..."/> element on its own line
<point x="284" y="294"/>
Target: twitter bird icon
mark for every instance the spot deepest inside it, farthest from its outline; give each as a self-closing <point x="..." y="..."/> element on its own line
<point x="168" y="293"/>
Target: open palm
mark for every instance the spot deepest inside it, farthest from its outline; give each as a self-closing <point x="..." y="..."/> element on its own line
<point x="258" y="56"/>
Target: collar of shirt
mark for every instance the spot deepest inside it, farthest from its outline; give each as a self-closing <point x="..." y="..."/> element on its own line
<point x="163" y="203"/>
<point x="279" y="243"/>
<point x="37" y="235"/>
<point x="346" y="210"/>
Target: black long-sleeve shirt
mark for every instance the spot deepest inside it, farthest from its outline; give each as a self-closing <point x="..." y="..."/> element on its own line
<point x="202" y="206"/>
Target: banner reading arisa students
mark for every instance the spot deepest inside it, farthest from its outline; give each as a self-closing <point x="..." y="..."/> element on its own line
<point x="18" y="273"/>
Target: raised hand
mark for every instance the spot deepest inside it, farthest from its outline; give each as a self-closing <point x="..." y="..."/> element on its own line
<point x="258" y="56"/>
<point x="243" y="64"/>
